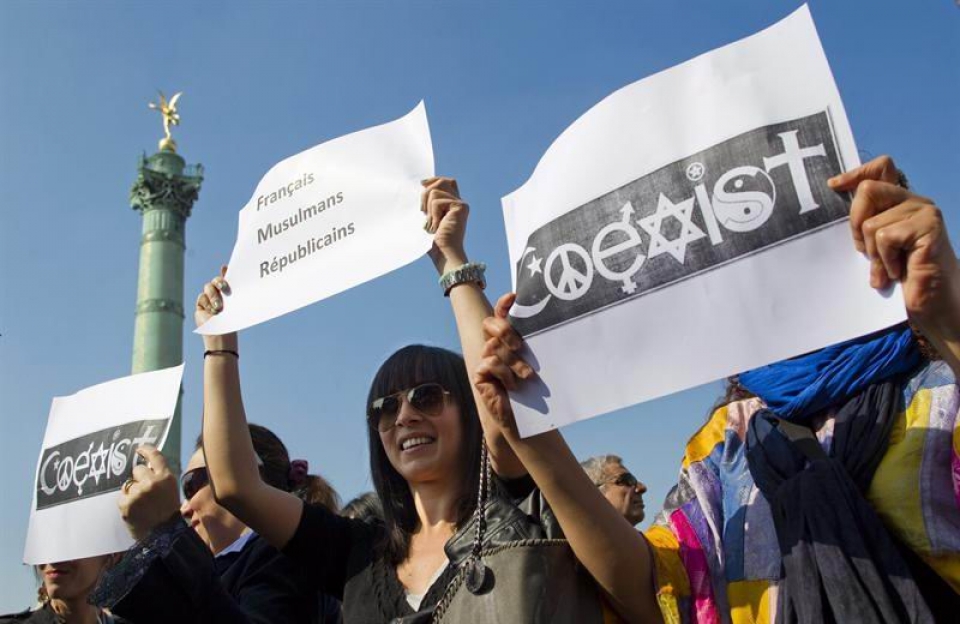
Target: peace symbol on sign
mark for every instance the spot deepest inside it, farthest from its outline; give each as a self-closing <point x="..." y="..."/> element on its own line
<point x="572" y="283"/>
<point x="65" y="474"/>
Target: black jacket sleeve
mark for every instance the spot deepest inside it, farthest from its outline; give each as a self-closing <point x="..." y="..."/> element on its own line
<point x="182" y="584"/>
<point x="328" y="549"/>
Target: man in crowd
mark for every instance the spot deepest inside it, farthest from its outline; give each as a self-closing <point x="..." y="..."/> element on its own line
<point x="618" y="485"/>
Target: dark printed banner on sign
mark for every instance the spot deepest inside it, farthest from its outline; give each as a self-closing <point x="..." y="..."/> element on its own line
<point x="748" y="193"/>
<point x="95" y="463"/>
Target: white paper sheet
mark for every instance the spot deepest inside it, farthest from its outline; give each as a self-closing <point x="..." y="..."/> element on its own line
<point x="643" y="264"/>
<point x="87" y="454"/>
<point x="327" y="219"/>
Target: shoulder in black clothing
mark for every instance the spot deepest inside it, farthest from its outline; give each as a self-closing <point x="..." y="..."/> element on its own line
<point x="41" y="616"/>
<point x="329" y="549"/>
<point x="180" y="582"/>
<point x="341" y="557"/>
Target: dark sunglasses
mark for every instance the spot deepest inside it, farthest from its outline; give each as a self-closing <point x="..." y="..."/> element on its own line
<point x="193" y="481"/>
<point x="624" y="479"/>
<point x="428" y="399"/>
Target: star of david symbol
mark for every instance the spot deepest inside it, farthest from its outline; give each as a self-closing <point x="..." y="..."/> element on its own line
<point x="534" y="266"/>
<point x="96" y="471"/>
<point x="653" y="225"/>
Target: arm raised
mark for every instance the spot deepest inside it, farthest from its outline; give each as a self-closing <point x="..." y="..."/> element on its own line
<point x="447" y="217"/>
<point x="228" y="450"/>
<point x="614" y="553"/>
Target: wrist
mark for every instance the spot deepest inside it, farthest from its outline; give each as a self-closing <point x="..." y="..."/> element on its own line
<point x="449" y="260"/>
<point x="471" y="273"/>
<point x="142" y="530"/>
<point x="226" y="342"/>
<point x="167" y="523"/>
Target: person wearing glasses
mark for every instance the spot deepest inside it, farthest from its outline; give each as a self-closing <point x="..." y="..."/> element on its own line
<point x="824" y="488"/>
<point x="63" y="591"/>
<point x="426" y="437"/>
<point x="621" y="489"/>
<point x="195" y="561"/>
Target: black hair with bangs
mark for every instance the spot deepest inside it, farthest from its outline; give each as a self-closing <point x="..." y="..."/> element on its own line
<point x="411" y="366"/>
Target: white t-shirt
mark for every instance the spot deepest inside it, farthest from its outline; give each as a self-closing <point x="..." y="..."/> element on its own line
<point x="414" y="600"/>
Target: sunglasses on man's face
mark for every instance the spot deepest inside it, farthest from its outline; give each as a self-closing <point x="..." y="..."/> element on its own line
<point x="428" y="399"/>
<point x="624" y="479"/>
<point x="193" y="481"/>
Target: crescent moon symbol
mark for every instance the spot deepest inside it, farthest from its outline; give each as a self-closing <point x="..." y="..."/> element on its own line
<point x="522" y="311"/>
<point x="43" y="474"/>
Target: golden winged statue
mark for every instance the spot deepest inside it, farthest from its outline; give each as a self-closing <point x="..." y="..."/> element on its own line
<point x="168" y="110"/>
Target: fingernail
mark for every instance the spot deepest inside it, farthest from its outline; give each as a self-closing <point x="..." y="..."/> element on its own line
<point x="832" y="182"/>
<point x="426" y="225"/>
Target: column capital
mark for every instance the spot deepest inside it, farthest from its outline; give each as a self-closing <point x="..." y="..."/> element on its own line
<point x="164" y="181"/>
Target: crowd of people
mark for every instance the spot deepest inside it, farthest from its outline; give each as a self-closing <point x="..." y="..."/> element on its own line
<point x="825" y="488"/>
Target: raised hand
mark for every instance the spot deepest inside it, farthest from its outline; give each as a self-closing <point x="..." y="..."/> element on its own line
<point x="446" y="217"/>
<point x="210" y="302"/>
<point x="500" y="368"/>
<point x="150" y="497"/>
<point x="210" y="299"/>
<point x="906" y="240"/>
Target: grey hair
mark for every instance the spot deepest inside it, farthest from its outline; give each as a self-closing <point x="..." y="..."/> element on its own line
<point x="595" y="467"/>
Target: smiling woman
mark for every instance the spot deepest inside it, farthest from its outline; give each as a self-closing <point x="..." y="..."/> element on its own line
<point x="429" y="445"/>
<point x="443" y="438"/>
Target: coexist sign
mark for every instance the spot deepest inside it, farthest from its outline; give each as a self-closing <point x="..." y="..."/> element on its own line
<point x="751" y="192"/>
<point x="93" y="464"/>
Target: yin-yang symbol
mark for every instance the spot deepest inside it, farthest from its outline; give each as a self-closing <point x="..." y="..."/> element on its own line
<point x="743" y="198"/>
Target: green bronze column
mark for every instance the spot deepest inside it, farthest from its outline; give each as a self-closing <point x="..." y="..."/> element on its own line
<point x="163" y="193"/>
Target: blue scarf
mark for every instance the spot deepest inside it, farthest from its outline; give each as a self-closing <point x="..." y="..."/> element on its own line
<point x="805" y="385"/>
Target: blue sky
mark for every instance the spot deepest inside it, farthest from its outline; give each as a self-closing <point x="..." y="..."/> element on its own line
<point x="263" y="81"/>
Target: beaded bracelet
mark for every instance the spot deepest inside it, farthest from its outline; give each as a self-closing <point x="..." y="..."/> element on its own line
<point x="471" y="272"/>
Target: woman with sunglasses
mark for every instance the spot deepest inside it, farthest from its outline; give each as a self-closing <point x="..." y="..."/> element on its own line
<point x="62" y="595"/>
<point x="196" y="562"/>
<point x="832" y="476"/>
<point x="425" y="441"/>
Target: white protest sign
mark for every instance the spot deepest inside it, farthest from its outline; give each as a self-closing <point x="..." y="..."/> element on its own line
<point x="332" y="217"/>
<point x="682" y="230"/>
<point x="88" y="452"/>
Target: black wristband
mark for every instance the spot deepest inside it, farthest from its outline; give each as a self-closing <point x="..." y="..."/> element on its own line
<point x="221" y="352"/>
